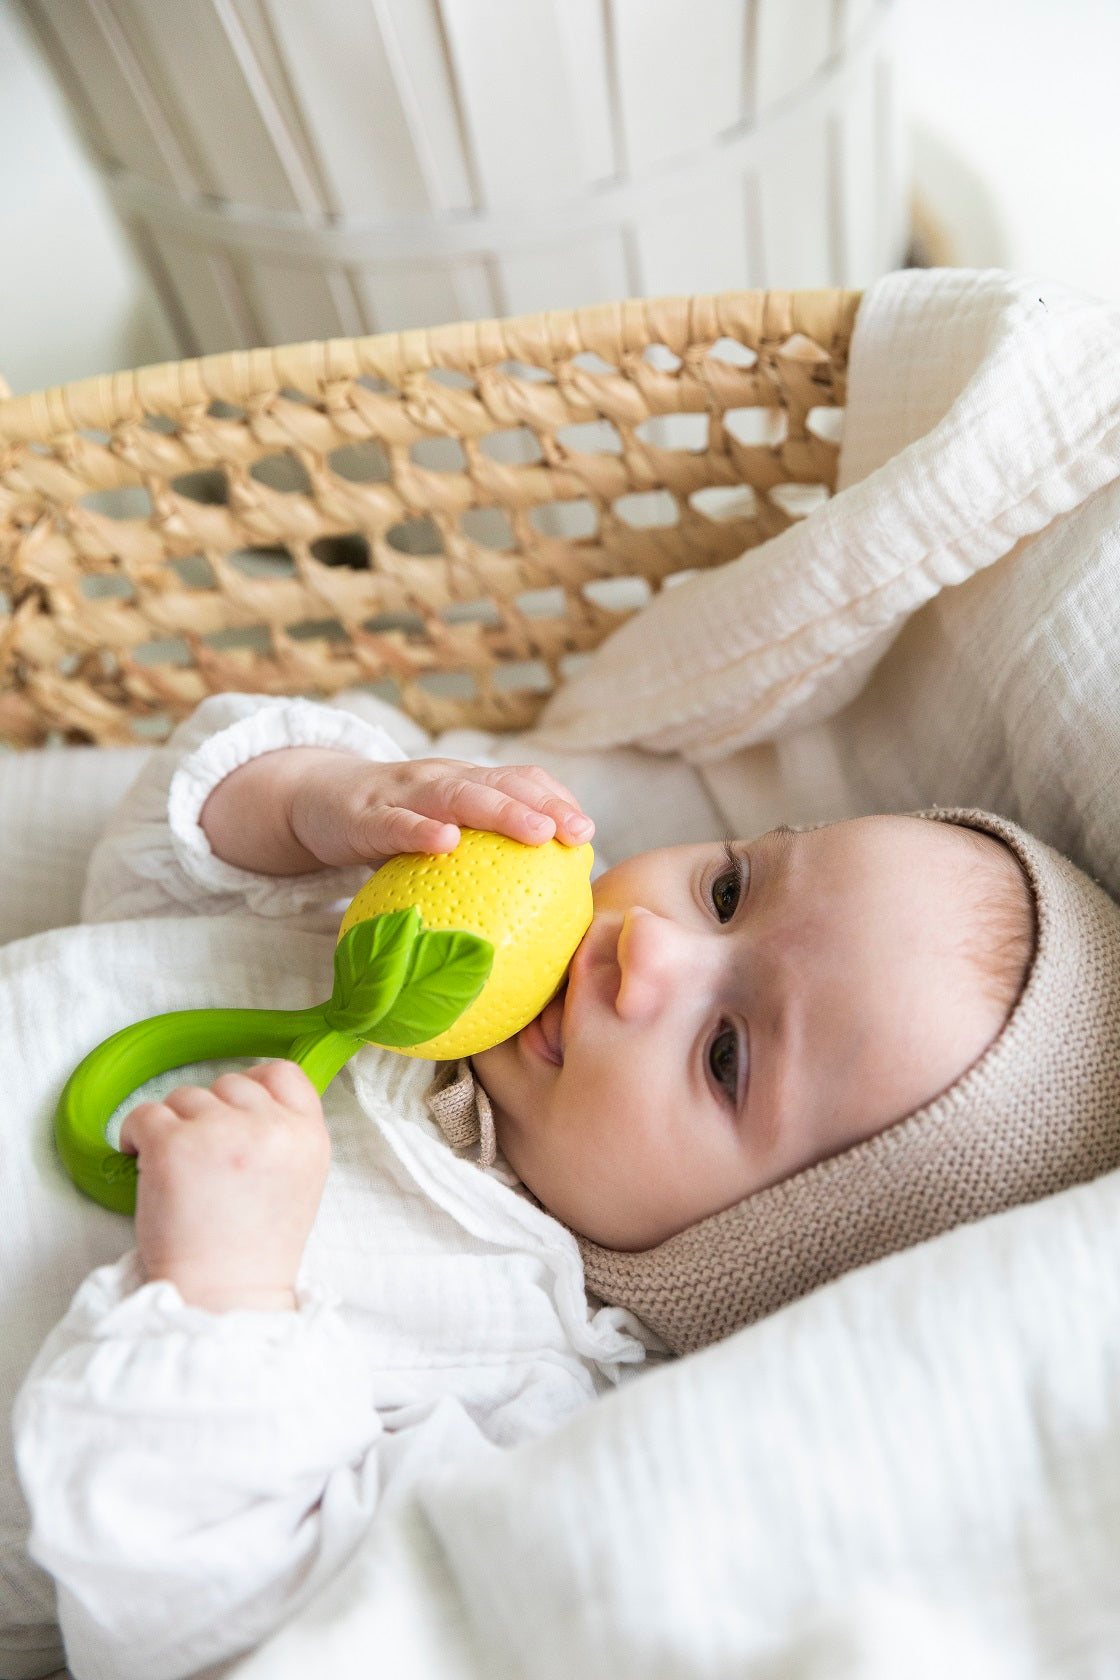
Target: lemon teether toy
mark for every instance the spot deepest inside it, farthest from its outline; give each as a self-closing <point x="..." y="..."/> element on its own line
<point x="439" y="956"/>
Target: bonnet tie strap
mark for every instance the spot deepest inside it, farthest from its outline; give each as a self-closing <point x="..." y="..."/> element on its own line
<point x="461" y="1109"/>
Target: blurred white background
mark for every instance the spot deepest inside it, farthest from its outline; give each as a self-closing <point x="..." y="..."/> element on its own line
<point x="1016" y="145"/>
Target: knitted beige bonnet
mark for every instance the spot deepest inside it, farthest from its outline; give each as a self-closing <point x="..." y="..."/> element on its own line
<point x="1038" y="1112"/>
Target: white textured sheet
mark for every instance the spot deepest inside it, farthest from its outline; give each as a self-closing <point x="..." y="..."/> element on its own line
<point x="910" y="1475"/>
<point x="53" y="805"/>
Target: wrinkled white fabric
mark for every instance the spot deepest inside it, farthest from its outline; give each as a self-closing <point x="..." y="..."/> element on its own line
<point x="981" y="407"/>
<point x="192" y="1476"/>
<point x="913" y="1474"/>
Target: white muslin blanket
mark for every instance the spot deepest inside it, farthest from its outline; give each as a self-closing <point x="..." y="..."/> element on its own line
<point x="915" y="1471"/>
<point x="981" y="407"/>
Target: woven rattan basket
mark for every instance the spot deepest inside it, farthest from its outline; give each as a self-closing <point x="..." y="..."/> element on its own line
<point x="449" y="517"/>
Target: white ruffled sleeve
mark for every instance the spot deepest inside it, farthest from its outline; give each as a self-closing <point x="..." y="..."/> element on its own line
<point x="192" y="1477"/>
<point x="154" y="858"/>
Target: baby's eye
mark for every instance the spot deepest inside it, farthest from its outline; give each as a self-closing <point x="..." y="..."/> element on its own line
<point x="727" y="888"/>
<point x="723" y="1059"/>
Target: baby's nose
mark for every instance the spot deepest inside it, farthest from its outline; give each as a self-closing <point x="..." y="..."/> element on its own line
<point x="655" y="957"/>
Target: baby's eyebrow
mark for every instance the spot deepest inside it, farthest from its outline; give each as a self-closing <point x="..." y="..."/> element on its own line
<point x="778" y="856"/>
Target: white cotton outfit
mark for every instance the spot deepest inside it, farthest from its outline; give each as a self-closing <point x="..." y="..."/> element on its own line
<point x="194" y="1477"/>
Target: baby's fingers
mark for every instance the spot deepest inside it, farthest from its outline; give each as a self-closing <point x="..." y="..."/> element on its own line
<point x="516" y="802"/>
<point x="143" y="1124"/>
<point x="400" y="829"/>
<point x="535" y="788"/>
<point x="473" y="805"/>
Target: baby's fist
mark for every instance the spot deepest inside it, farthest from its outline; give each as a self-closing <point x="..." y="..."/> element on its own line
<point x="229" y="1183"/>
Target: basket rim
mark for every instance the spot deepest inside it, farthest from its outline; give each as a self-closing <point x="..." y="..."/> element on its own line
<point x="542" y="339"/>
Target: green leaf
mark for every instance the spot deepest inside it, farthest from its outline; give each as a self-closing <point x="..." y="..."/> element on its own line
<point x="371" y="962"/>
<point x="447" y="972"/>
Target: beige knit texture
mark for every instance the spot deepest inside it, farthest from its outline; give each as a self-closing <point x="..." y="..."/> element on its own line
<point x="1039" y="1112"/>
<point x="462" y="1109"/>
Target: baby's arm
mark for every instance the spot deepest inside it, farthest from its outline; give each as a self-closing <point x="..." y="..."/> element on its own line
<point x="154" y="859"/>
<point x="292" y="811"/>
<point x="275" y="835"/>
<point x="197" y="1454"/>
<point x="193" y="1477"/>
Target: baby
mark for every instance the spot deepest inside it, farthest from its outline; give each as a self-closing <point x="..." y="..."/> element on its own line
<point x="772" y="1061"/>
<point x="733" y="1014"/>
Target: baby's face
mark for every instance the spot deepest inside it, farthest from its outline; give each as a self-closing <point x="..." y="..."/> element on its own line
<point x="735" y="1014"/>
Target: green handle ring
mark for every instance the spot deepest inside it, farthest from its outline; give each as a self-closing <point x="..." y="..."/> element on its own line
<point x="135" y="1054"/>
<point x="396" y="984"/>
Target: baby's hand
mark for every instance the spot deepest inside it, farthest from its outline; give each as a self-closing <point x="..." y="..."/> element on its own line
<point x="345" y="810"/>
<point x="229" y="1184"/>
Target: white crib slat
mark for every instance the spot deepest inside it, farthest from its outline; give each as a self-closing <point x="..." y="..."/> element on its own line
<point x="699" y="246"/>
<point x="679" y="84"/>
<point x="255" y="24"/>
<point x="511" y="73"/>
<point x="372" y="88"/>
<point x="679" y="74"/>
<point x="188" y="59"/>
<point x="291" y="302"/>
<point x="856" y="134"/>
<point x="358" y="109"/>
<point x="583" y="38"/>
<point x="125" y="123"/>
<point x="513" y="70"/>
<point x="205" y="65"/>
<point x="412" y="31"/>
<point x="592" y="271"/>
<point x="414" y="39"/>
<point x="285" y="294"/>
<point x="346" y="96"/>
<point x="208" y="292"/>
<point x="786" y="59"/>
<point x="796" y="210"/>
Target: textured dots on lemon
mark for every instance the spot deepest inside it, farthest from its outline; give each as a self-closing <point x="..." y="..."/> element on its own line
<point x="533" y="903"/>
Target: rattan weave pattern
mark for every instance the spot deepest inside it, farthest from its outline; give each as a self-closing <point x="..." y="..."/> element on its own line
<point x="433" y="511"/>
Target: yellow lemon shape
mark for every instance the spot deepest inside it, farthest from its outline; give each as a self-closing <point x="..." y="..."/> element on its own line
<point x="533" y="903"/>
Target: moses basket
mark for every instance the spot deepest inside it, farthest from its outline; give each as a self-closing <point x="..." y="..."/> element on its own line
<point x="451" y="518"/>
